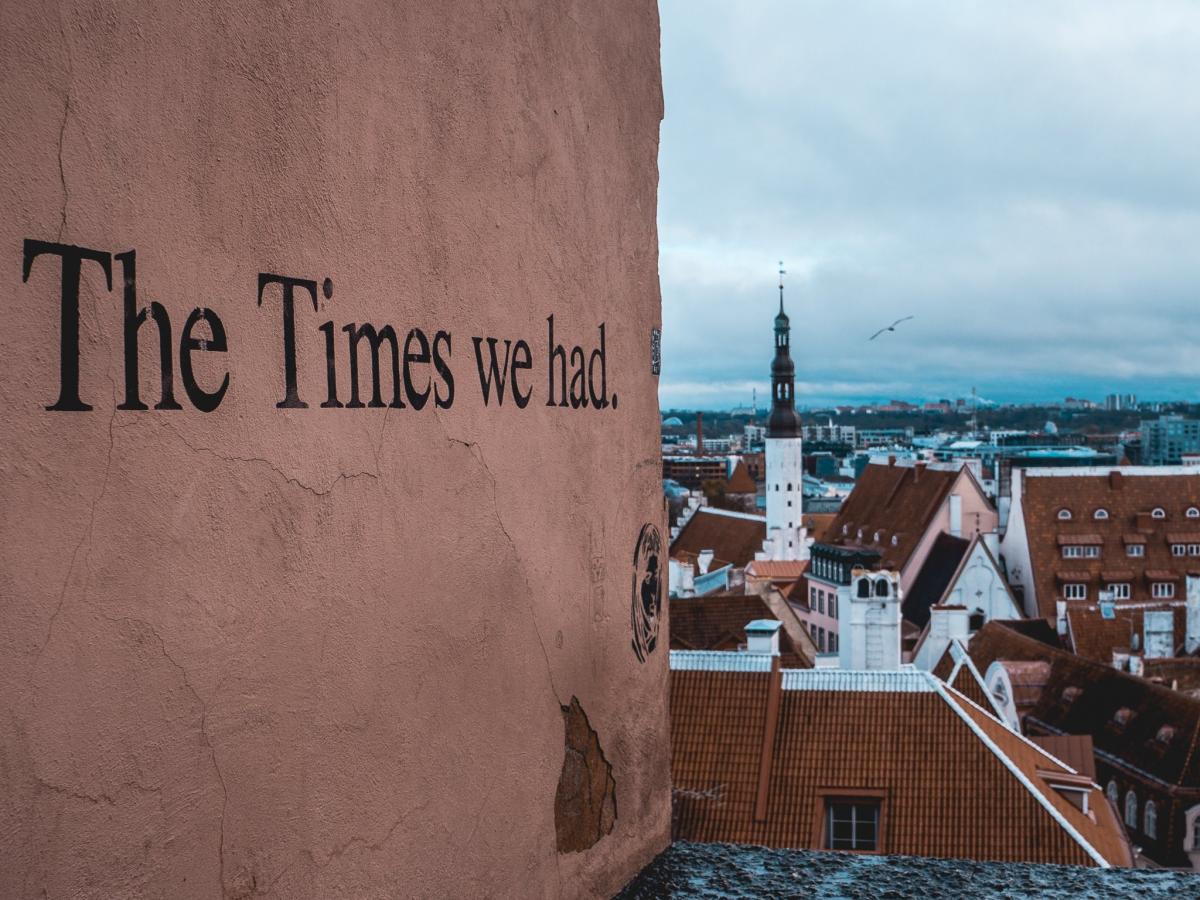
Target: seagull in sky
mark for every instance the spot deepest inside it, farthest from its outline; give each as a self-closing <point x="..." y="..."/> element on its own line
<point x="891" y="327"/>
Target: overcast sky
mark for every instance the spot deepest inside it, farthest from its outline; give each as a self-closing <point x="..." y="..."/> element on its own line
<point x="1024" y="178"/>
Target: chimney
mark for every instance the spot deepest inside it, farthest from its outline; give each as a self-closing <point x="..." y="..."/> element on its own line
<point x="1158" y="633"/>
<point x="956" y="515"/>
<point x="1115" y="480"/>
<point x="1191" y="640"/>
<point x="918" y="468"/>
<point x="1061" y="606"/>
<point x="762" y="636"/>
<point x="704" y="560"/>
<point x="687" y="580"/>
<point x="891" y="459"/>
<point x="699" y="434"/>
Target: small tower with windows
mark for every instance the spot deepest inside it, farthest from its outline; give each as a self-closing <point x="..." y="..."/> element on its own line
<point x="786" y="535"/>
<point x="869" y="625"/>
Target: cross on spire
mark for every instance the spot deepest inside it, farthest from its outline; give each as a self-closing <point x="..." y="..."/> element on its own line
<point x="782" y="272"/>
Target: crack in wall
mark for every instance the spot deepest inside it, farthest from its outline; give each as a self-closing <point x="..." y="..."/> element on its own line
<point x="203" y="736"/>
<point x="62" y="129"/>
<point x="88" y="536"/>
<point x="477" y="452"/>
<point x="290" y="479"/>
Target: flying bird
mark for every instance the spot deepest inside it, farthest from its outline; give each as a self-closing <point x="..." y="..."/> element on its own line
<point x="891" y="327"/>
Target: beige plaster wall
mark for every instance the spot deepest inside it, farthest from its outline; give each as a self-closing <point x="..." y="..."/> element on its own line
<point x="322" y="652"/>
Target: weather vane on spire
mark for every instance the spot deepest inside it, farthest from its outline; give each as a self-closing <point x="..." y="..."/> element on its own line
<point x="782" y="272"/>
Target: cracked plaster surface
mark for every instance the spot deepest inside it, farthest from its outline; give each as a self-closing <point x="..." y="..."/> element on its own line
<point x="268" y="652"/>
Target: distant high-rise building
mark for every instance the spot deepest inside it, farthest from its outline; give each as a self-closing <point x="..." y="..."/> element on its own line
<point x="1166" y="439"/>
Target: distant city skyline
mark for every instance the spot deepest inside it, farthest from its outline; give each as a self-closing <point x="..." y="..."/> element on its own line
<point x="1025" y="181"/>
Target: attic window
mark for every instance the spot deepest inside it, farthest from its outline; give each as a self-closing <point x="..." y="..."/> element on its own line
<point x="1064" y="515"/>
<point x="1100" y="514"/>
<point x="1158" y="513"/>
<point x="1193" y="513"/>
<point x="875" y="538"/>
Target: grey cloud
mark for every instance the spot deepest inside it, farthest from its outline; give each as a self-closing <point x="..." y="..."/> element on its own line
<point x="1024" y="177"/>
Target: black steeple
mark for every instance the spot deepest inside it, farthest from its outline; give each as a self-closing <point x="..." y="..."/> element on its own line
<point x="784" y="422"/>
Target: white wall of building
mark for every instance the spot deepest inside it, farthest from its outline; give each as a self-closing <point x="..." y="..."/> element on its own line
<point x="785" y="497"/>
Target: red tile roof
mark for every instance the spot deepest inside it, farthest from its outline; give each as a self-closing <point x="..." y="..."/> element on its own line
<point x="731" y="536"/>
<point x="780" y="569"/>
<point x="1128" y="500"/>
<point x="897" y="502"/>
<point x="740" y="481"/>
<point x="1093" y="636"/>
<point x="954" y="781"/>
<point x="718" y="622"/>
<point x="1079" y="696"/>
<point x="1074" y="749"/>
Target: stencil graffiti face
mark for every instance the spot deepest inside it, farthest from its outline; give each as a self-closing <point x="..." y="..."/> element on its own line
<point x="646" y="603"/>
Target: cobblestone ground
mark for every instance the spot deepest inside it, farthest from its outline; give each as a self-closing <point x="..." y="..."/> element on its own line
<point x="723" y="870"/>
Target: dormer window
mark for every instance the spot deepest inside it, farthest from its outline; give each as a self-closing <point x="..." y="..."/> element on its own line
<point x="1179" y="549"/>
<point x="1064" y="515"/>
<point x="1100" y="514"/>
<point x="895" y="540"/>
<point x="1070" y="694"/>
<point x="1193" y="513"/>
<point x="875" y="538"/>
<point x="860" y="534"/>
<point x="1123" y="717"/>
<point x="845" y="529"/>
<point x="1165" y="734"/>
<point x="1158" y="513"/>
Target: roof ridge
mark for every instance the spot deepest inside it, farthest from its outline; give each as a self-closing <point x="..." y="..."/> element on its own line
<point x="1015" y="770"/>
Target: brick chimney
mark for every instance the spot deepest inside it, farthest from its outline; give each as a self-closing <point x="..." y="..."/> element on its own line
<point x="1115" y="480"/>
<point x="699" y="434"/>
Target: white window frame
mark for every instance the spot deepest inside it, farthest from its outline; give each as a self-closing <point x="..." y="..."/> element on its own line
<point x="1120" y="590"/>
<point x="1135" y="549"/>
<point x="1150" y="820"/>
<point x="1131" y="809"/>
<point x="1100" y="514"/>
<point x="1158" y="513"/>
<point x="1072" y="551"/>
<point x="1091" y="551"/>
<point x="1193" y="549"/>
<point x="1075" y="590"/>
<point x="1162" y="590"/>
<point x="1064" y="515"/>
<point x="1179" y="549"/>
<point x="1193" y="513"/>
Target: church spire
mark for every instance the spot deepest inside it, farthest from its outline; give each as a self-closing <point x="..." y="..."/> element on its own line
<point x="783" y="423"/>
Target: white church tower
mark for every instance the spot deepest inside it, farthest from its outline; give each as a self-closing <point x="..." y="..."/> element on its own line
<point x="786" y="535"/>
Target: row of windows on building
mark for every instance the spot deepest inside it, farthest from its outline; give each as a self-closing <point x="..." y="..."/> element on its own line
<point x="823" y="567"/>
<point x="1065" y="515"/>
<point x="1159" y="590"/>
<point x="816" y="601"/>
<point x="1092" y="551"/>
<point x="826" y="641"/>
<point x="1149" y="812"/>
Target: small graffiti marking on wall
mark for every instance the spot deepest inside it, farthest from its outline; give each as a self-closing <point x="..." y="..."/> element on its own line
<point x="646" y="605"/>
